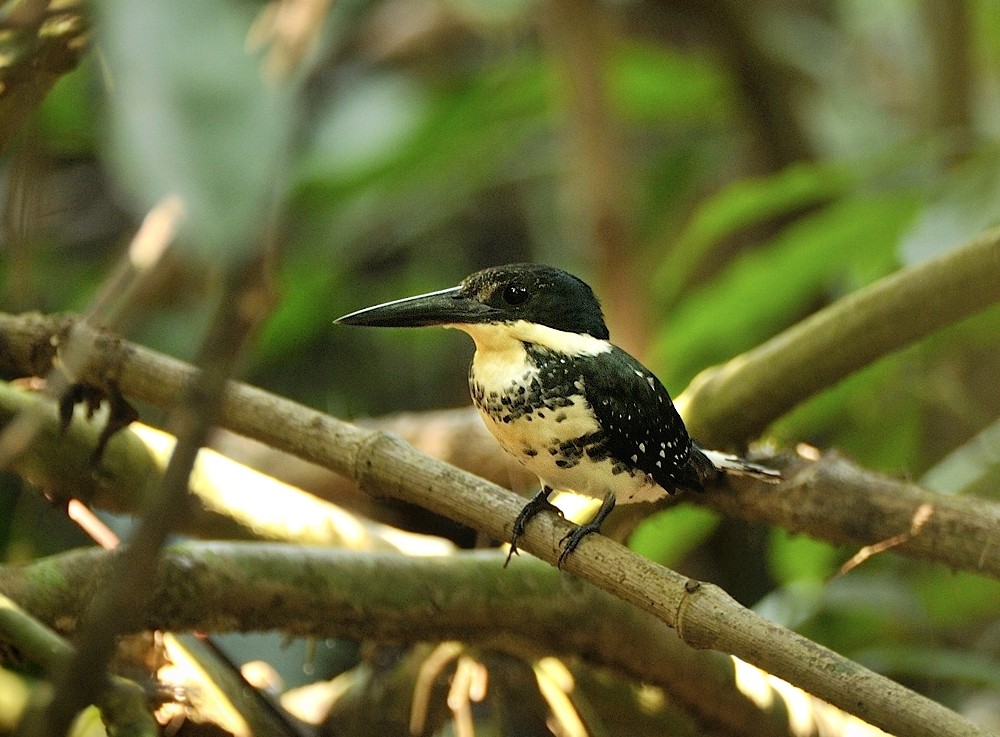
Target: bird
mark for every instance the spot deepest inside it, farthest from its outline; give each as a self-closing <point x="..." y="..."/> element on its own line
<point x="577" y="411"/>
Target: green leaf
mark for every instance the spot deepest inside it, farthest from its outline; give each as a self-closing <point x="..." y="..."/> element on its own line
<point x="653" y="82"/>
<point x="668" y="536"/>
<point x="743" y="204"/>
<point x="449" y="145"/>
<point x="66" y="115"/>
<point x="958" y="599"/>
<point x="851" y="415"/>
<point x="800" y="558"/>
<point x="304" y="309"/>
<point x="190" y="115"/>
<point x="765" y="290"/>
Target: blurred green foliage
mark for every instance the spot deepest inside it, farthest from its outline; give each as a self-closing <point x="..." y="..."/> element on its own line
<point x="423" y="139"/>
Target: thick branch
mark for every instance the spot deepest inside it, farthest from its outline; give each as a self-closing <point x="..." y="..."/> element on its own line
<point x="703" y="614"/>
<point x="222" y="587"/>
<point x="228" y="500"/>
<point x="727" y="405"/>
<point x="870" y="508"/>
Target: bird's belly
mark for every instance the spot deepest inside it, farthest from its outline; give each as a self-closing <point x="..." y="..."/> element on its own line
<point x="562" y="446"/>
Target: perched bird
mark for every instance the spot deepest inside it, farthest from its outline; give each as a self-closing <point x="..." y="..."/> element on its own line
<point x="580" y="413"/>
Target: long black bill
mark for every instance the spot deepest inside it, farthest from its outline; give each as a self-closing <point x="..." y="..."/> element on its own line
<point x="436" y="308"/>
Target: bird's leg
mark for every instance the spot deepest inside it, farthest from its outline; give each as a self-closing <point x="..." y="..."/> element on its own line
<point x="574" y="536"/>
<point x="538" y="503"/>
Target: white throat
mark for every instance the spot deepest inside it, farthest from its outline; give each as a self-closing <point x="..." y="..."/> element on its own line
<point x="500" y="336"/>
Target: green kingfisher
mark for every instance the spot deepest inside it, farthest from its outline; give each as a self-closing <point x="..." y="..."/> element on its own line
<point x="580" y="413"/>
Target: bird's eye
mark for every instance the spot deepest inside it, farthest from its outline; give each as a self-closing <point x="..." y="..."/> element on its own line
<point x="515" y="294"/>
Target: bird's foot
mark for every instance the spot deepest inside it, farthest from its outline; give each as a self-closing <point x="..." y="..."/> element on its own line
<point x="538" y="503"/>
<point x="573" y="537"/>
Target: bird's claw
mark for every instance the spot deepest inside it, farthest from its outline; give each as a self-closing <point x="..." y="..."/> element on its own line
<point x="572" y="540"/>
<point x="538" y="503"/>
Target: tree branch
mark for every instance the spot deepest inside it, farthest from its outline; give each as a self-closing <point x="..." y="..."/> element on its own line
<point x="727" y="405"/>
<point x="229" y="501"/>
<point x="959" y="531"/>
<point x="704" y="615"/>
<point x="874" y="509"/>
<point x="870" y="509"/>
<point x="315" y="592"/>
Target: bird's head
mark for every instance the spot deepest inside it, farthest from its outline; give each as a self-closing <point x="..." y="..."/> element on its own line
<point x="531" y="293"/>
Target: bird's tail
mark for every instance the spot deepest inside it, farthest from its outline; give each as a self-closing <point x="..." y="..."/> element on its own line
<point x="736" y="466"/>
